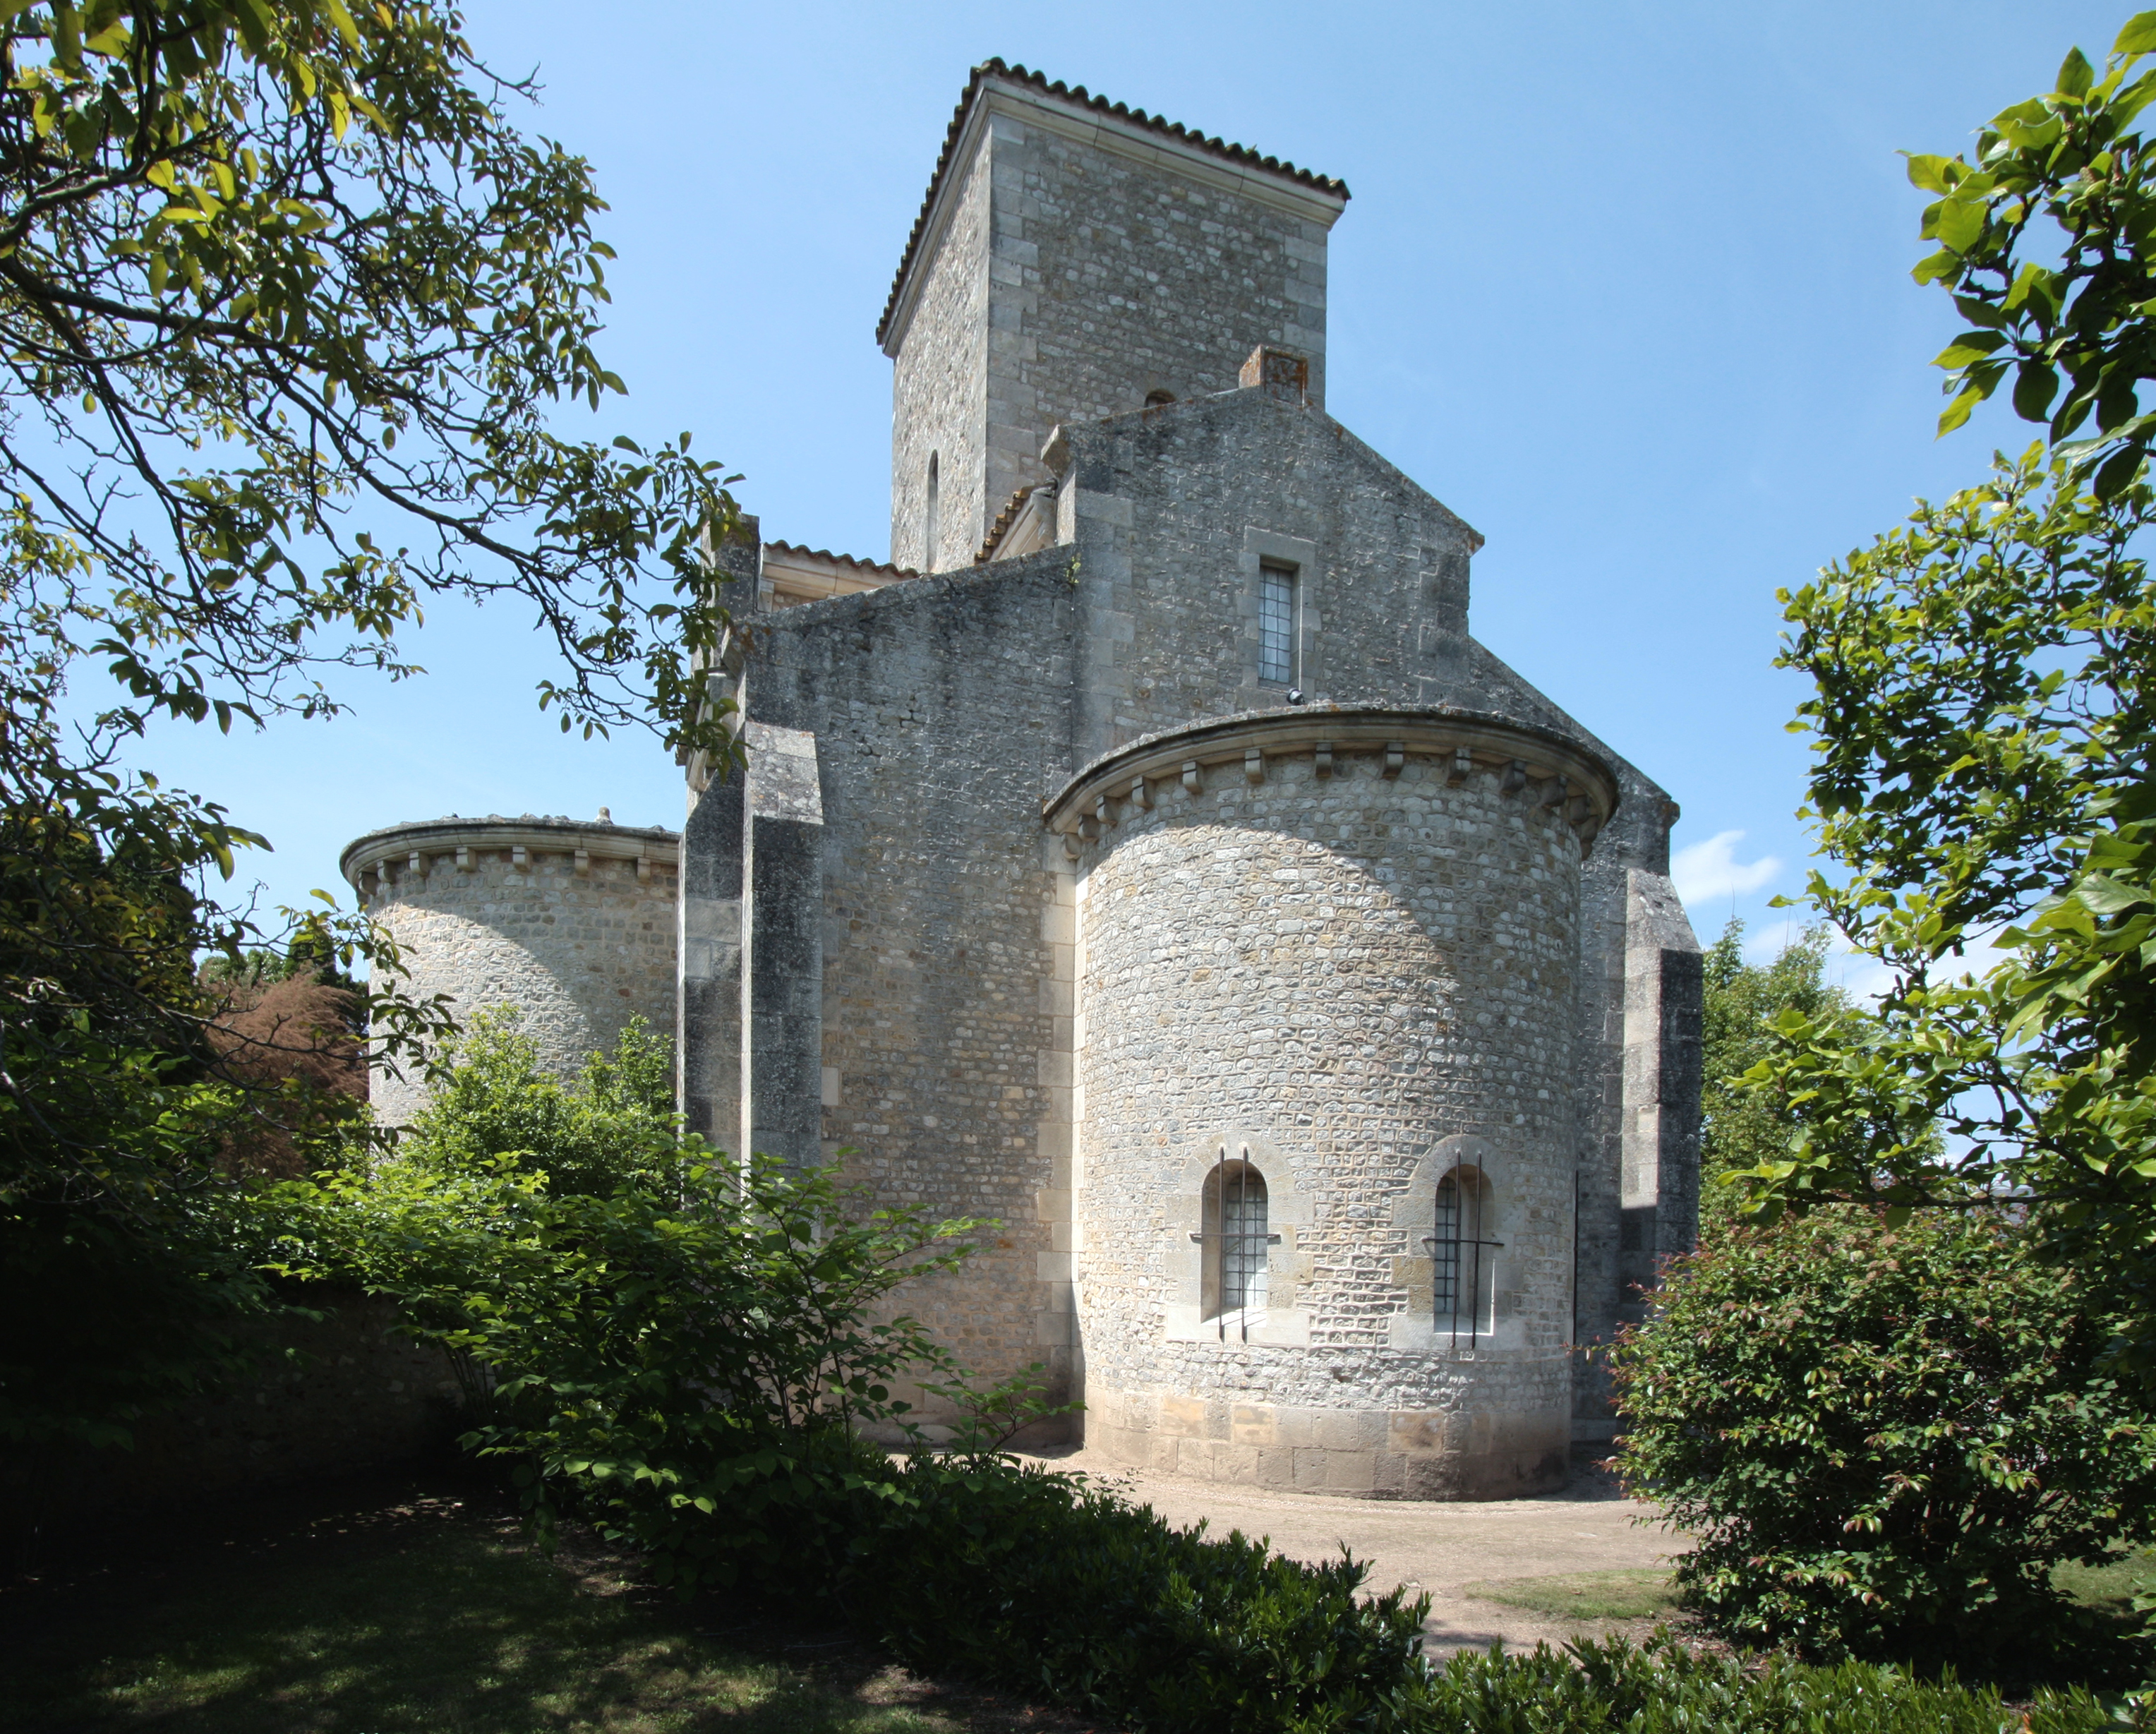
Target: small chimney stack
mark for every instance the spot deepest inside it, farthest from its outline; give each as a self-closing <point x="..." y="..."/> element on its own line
<point x="1279" y="373"/>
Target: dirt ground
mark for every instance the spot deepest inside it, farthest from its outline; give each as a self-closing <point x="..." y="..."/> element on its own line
<point x="1433" y="1547"/>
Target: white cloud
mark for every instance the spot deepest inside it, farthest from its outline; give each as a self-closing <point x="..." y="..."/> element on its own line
<point x="1867" y="979"/>
<point x="1711" y="869"/>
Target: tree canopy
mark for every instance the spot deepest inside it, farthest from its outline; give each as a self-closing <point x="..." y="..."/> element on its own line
<point x="1982" y="721"/>
<point x="1742" y="1127"/>
<point x="292" y="314"/>
<point x="2044" y="240"/>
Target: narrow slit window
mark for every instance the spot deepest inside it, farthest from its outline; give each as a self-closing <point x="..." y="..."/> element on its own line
<point x="1446" y="1261"/>
<point x="1276" y="624"/>
<point x="1243" y="1247"/>
<point x="932" y="530"/>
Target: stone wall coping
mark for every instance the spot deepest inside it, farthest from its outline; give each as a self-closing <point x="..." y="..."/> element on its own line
<point x="652" y="844"/>
<point x="1489" y="741"/>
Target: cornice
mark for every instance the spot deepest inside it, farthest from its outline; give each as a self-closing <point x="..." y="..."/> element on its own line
<point x="457" y="839"/>
<point x="1543" y="767"/>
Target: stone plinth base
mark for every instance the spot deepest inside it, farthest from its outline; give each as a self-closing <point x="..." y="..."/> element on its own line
<point x="1361" y="1454"/>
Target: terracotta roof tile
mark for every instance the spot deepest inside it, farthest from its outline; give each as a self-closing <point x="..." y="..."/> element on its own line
<point x="785" y="548"/>
<point x="1003" y="522"/>
<point x="1079" y="97"/>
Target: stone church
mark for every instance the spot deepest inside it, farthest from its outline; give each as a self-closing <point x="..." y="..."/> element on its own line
<point x="1148" y="857"/>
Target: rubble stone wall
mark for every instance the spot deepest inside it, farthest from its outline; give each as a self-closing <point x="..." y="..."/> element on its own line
<point x="578" y="950"/>
<point x="1334" y="974"/>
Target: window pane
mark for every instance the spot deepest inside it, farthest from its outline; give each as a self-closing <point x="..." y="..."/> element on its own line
<point x="1275" y="624"/>
<point x="1243" y="1250"/>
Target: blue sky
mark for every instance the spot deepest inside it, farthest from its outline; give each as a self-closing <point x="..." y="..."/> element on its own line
<point x="1625" y="285"/>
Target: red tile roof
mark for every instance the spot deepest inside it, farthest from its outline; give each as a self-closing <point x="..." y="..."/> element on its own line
<point x="854" y="561"/>
<point x="1078" y="97"/>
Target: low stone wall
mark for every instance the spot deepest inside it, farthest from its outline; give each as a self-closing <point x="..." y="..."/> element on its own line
<point x="341" y="1394"/>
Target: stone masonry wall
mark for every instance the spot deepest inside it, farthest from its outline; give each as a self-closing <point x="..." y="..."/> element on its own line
<point x="336" y="1395"/>
<point x="940" y="709"/>
<point x="579" y="954"/>
<point x="1630" y="970"/>
<point x="1071" y="281"/>
<point x="939" y="396"/>
<point x="1337" y="972"/>
<point x="1116" y="278"/>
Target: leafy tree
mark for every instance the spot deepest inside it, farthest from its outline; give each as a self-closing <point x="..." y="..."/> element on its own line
<point x="1983" y="729"/>
<point x="1883" y="1439"/>
<point x="1983" y="723"/>
<point x="289" y="307"/>
<point x="1742" y="1127"/>
<point x="2044" y="242"/>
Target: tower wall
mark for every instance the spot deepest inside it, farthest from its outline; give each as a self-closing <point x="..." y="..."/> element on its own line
<point x="1070" y="260"/>
<point x="572" y="924"/>
<point x="1353" y="965"/>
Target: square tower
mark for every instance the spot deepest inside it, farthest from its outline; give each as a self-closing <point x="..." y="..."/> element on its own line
<point x="1074" y="259"/>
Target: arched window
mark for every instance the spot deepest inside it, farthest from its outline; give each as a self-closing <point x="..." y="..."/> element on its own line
<point x="932" y="533"/>
<point x="1236" y="1234"/>
<point x="1158" y="396"/>
<point x="1465" y="1255"/>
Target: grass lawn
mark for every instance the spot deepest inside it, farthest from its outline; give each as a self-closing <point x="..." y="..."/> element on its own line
<point x="421" y="1607"/>
<point x="1649" y="1595"/>
<point x="2110" y="1589"/>
<point x="1585" y="1595"/>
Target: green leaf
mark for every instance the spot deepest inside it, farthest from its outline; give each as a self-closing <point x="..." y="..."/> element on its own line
<point x="2035" y="385"/>
<point x="2076" y="74"/>
<point x="2118" y="472"/>
<point x="1969" y="346"/>
<point x="1930" y="172"/>
<point x="1956" y="223"/>
<point x="2137" y="38"/>
<point x="2106" y="895"/>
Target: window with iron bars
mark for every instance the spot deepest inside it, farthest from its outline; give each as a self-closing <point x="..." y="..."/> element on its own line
<point x="1464" y="1257"/>
<point x="1235" y="1232"/>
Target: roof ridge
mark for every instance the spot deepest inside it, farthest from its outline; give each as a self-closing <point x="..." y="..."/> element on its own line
<point x="843" y="559"/>
<point x="997" y="68"/>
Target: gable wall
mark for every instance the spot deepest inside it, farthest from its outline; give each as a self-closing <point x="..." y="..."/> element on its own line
<point x="1170" y="511"/>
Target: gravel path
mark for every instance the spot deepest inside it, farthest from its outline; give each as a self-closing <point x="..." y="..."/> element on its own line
<point x="1432" y="1547"/>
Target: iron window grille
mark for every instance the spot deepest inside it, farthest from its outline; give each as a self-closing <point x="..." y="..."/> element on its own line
<point x="1235" y="1235"/>
<point x="1464" y="1265"/>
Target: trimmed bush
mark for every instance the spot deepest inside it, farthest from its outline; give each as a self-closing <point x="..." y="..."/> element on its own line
<point x="1662" y="1688"/>
<point x="1028" y="1581"/>
<point x="1883" y="1439"/>
<point x="1033" y="1582"/>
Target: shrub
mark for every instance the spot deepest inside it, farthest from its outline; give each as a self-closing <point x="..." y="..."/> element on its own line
<point x="496" y="1101"/>
<point x="1663" y="1688"/>
<point x="1033" y="1582"/>
<point x="1883" y="1439"/>
<point x="659" y="1333"/>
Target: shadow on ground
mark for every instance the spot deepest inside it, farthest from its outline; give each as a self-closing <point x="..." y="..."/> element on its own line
<point x="377" y="1606"/>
